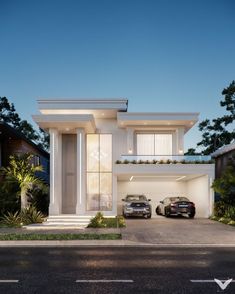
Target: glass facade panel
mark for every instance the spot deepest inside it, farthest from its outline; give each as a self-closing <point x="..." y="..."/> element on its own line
<point x="93" y="154"/>
<point x="154" y="144"/>
<point x="106" y="191"/>
<point x="163" y="144"/>
<point x="145" y="144"/>
<point x="105" y="153"/>
<point x="99" y="172"/>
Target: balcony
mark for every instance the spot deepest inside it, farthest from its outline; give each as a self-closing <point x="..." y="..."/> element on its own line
<point x="165" y="159"/>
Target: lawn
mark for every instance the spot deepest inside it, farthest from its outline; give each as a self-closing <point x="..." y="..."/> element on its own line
<point x="34" y="236"/>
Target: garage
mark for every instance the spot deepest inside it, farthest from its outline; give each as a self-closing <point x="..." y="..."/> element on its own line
<point x="195" y="187"/>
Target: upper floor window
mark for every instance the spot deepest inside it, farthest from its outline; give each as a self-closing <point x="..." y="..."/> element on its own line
<point x="154" y="144"/>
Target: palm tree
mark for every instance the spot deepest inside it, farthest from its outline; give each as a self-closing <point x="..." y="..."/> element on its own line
<point x="21" y="170"/>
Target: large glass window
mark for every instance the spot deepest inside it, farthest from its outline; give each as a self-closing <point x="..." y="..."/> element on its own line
<point x="154" y="144"/>
<point x="99" y="172"/>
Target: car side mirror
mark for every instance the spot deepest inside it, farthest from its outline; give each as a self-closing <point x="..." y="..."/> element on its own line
<point x="149" y="199"/>
<point x="161" y="202"/>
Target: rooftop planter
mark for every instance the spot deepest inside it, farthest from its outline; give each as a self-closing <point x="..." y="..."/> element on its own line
<point x="168" y="161"/>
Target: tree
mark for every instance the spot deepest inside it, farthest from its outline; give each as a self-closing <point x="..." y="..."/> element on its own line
<point x="215" y="132"/>
<point x="225" y="185"/>
<point x="22" y="171"/>
<point x="8" y="115"/>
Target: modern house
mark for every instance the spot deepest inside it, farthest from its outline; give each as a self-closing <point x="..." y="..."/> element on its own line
<point x="100" y="152"/>
<point x="14" y="142"/>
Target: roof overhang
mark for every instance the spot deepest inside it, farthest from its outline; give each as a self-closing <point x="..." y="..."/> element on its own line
<point x="99" y="108"/>
<point x="67" y="123"/>
<point x="163" y="119"/>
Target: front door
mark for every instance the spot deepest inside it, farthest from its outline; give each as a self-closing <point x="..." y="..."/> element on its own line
<point x="69" y="173"/>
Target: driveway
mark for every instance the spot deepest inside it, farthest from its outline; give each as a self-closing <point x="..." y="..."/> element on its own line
<point x="174" y="230"/>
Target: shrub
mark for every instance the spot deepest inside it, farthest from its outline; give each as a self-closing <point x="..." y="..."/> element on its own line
<point x="118" y="162"/>
<point x="224" y="220"/>
<point x="12" y="219"/>
<point x="97" y="221"/>
<point x="30" y="215"/>
<point x="230" y="212"/>
<point x="126" y="161"/>
<point x="220" y="208"/>
<point x="231" y="223"/>
<point x="27" y="216"/>
<point x="134" y="162"/>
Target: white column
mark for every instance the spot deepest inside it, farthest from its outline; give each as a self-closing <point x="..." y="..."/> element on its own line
<point x="180" y="141"/>
<point x="55" y="172"/>
<point x="81" y="173"/>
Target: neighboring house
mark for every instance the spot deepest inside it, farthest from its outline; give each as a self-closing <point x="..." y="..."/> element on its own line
<point x="14" y="142"/>
<point x="222" y="157"/>
<point x="92" y="142"/>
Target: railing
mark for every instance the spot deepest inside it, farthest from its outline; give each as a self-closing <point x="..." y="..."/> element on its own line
<point x="165" y="158"/>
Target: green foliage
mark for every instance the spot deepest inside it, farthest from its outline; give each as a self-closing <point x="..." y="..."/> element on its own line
<point x="9" y="198"/>
<point x="224" y="220"/>
<point x="25" y="217"/>
<point x="9" y="115"/>
<point x="225" y="185"/>
<point x="33" y="236"/>
<point x="21" y="171"/>
<point x="11" y="219"/>
<point x="220" y="208"/>
<point x="117" y="222"/>
<point x="215" y="133"/>
<point x="99" y="221"/>
<point x="30" y="215"/>
<point x="39" y="198"/>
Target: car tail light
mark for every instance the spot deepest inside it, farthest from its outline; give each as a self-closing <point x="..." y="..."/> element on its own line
<point x="193" y="204"/>
<point x="173" y="205"/>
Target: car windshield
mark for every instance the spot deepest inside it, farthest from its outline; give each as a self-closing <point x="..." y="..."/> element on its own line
<point x="173" y="199"/>
<point x="130" y="198"/>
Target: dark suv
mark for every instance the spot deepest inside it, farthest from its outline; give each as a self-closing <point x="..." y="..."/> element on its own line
<point x="136" y="205"/>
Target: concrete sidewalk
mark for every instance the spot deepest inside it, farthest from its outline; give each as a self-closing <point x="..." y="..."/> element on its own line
<point x="158" y="231"/>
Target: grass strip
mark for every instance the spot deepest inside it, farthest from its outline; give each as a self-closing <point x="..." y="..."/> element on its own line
<point x="14" y="236"/>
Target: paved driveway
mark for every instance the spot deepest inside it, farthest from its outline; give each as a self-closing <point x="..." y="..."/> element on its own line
<point x="174" y="230"/>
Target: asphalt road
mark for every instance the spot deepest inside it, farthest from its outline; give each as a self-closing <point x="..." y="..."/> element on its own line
<point x="131" y="270"/>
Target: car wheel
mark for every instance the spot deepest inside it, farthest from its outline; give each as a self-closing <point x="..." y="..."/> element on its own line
<point x="191" y="215"/>
<point x="158" y="211"/>
<point x="149" y="215"/>
<point x="167" y="214"/>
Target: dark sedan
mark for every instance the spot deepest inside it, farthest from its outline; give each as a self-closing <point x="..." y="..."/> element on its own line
<point x="176" y="206"/>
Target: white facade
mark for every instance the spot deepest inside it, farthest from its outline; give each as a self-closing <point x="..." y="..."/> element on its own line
<point x="95" y="157"/>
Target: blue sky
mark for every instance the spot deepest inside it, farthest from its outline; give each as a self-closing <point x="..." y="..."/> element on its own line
<point x="162" y="55"/>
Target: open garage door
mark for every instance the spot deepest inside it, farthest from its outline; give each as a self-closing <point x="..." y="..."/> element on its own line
<point x="195" y="187"/>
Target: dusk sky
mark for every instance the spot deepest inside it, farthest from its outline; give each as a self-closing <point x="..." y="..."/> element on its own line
<point x="164" y="56"/>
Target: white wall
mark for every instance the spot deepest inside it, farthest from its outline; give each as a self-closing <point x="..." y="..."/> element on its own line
<point x="156" y="191"/>
<point x="198" y="192"/>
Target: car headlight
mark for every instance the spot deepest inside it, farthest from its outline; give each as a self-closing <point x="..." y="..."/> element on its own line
<point x="128" y="205"/>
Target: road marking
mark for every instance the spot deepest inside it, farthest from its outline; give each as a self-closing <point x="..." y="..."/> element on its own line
<point x="104" y="281"/>
<point x="9" y="281"/>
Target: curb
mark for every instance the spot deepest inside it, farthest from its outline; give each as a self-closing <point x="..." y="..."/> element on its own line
<point x="106" y="243"/>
